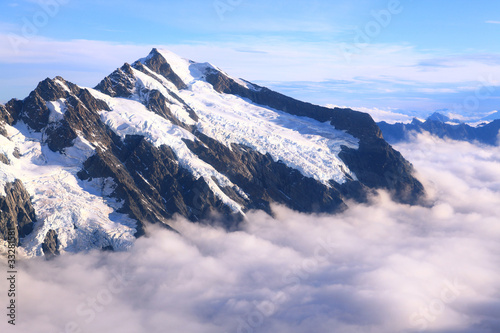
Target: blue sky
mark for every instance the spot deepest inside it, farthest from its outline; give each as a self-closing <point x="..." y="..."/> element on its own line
<point x="408" y="55"/>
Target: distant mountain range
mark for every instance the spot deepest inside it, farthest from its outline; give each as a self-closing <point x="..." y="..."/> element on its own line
<point x="84" y="168"/>
<point x="486" y="132"/>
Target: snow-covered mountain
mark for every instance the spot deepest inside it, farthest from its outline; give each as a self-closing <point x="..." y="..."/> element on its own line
<point x="84" y="168"/>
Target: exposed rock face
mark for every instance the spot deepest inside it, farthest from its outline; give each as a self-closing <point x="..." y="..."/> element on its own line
<point x="376" y="163"/>
<point x="5" y="118"/>
<point x="157" y="63"/>
<point x="4" y="159"/>
<point x="13" y="109"/>
<point x="152" y="184"/>
<point x="51" y="245"/>
<point x="142" y="206"/>
<point x="60" y="136"/>
<point x="16" y="211"/>
<point x="35" y="113"/>
<point x="16" y="153"/>
<point x="487" y="133"/>
<point x="266" y="181"/>
<point x="120" y="83"/>
<point x="157" y="103"/>
<point x="81" y="114"/>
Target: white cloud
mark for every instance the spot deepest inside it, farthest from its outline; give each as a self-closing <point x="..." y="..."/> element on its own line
<point x="382" y="267"/>
<point x="493" y="22"/>
<point x="39" y="50"/>
<point x="389" y="116"/>
<point x="380" y="75"/>
<point x="277" y="59"/>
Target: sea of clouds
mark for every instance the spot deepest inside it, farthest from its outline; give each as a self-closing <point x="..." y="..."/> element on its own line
<point x="380" y="267"/>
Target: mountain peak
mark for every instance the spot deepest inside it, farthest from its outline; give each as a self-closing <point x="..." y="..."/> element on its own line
<point x="153" y="52"/>
<point x="157" y="62"/>
<point x="436" y="116"/>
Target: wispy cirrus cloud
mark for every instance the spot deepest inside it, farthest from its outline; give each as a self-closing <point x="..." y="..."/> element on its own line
<point x="382" y="72"/>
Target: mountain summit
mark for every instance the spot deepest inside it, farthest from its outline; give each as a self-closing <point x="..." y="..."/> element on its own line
<point x="85" y="168"/>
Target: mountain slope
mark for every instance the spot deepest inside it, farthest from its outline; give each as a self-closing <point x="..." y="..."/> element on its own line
<point x="168" y="136"/>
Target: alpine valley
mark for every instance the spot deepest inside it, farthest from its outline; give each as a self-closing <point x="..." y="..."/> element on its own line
<point x="84" y="168"/>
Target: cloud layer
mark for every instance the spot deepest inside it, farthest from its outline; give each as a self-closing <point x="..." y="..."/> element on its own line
<point x="382" y="267"/>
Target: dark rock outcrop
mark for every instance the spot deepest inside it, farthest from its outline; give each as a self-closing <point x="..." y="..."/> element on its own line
<point x="5" y="118"/>
<point x="14" y="108"/>
<point x="4" y="159"/>
<point x="9" y="114"/>
<point x="50" y="245"/>
<point x="16" y="211"/>
<point x="136" y="204"/>
<point x="35" y="112"/>
<point x="377" y="165"/>
<point x="80" y="116"/>
<point x="158" y="103"/>
<point x="60" y="136"/>
<point x="120" y="83"/>
<point x="16" y="153"/>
